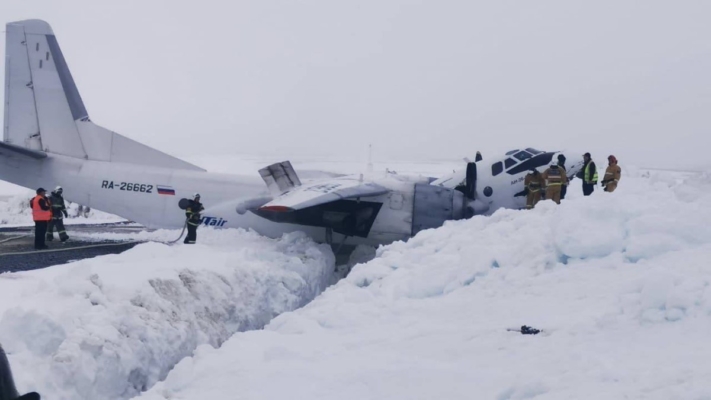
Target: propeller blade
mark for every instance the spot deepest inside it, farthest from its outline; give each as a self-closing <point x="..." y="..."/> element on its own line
<point x="470" y="181"/>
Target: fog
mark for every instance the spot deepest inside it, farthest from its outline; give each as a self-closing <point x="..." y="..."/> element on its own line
<point x="420" y="80"/>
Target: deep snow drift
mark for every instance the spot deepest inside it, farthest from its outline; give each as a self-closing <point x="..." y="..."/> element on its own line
<point x="619" y="282"/>
<point x="112" y="326"/>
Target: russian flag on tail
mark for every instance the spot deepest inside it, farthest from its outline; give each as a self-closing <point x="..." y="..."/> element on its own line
<point x="167" y="190"/>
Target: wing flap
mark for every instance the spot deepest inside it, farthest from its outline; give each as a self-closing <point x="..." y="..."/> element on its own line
<point x="323" y="192"/>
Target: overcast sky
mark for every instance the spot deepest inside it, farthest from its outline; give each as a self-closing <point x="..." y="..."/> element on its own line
<point x="418" y="79"/>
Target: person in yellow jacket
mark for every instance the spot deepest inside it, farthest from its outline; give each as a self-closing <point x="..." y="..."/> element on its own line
<point x="555" y="178"/>
<point x="612" y="175"/>
<point x="588" y="174"/>
<point x="534" y="184"/>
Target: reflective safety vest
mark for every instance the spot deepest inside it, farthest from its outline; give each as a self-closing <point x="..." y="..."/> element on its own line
<point x="554" y="176"/>
<point x="587" y="174"/>
<point x="533" y="182"/>
<point x="38" y="214"/>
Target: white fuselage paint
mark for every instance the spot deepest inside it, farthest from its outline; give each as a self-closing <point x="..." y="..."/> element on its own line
<point x="85" y="182"/>
<point x="132" y="191"/>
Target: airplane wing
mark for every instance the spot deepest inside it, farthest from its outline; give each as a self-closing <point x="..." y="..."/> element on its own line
<point x="320" y="192"/>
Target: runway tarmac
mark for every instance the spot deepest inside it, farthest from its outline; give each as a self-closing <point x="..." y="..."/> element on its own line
<point x="17" y="251"/>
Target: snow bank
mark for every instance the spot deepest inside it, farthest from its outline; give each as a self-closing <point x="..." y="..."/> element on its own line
<point x="619" y="282"/>
<point x="15" y="211"/>
<point x="110" y="327"/>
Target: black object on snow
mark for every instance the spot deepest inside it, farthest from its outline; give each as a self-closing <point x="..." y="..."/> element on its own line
<point x="526" y="330"/>
<point x="7" y="384"/>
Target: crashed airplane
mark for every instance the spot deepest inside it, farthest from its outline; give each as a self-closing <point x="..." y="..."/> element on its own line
<point x="50" y="140"/>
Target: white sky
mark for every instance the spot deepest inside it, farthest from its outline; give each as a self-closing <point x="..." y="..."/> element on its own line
<point x="418" y="79"/>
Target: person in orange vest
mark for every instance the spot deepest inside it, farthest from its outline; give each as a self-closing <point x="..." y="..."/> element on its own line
<point x="41" y="214"/>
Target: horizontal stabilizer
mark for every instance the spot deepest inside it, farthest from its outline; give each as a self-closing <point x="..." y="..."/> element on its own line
<point x="324" y="192"/>
<point x="8" y="150"/>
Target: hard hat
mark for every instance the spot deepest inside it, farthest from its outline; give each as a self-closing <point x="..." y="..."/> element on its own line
<point x="196" y="196"/>
<point x="58" y="188"/>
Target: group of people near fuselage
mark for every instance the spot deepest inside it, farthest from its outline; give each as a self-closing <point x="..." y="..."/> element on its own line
<point x="48" y="213"/>
<point x="553" y="182"/>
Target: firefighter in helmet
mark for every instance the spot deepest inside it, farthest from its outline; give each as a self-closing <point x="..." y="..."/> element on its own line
<point x="555" y="178"/>
<point x="534" y="184"/>
<point x="59" y="212"/>
<point x="192" y="214"/>
<point x="612" y="175"/>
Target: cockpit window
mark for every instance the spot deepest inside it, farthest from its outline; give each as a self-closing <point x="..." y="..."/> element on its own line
<point x="497" y="168"/>
<point x="511" y="152"/>
<point x="533" y="151"/>
<point x="509" y="162"/>
<point x="522" y="155"/>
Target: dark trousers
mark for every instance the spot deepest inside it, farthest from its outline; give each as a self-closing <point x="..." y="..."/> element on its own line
<point x="192" y="234"/>
<point x="588" y="188"/>
<point x="40" y="232"/>
<point x="563" y="191"/>
<point x="59" y="224"/>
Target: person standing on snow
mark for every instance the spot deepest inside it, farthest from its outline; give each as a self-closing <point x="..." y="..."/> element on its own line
<point x="59" y="212"/>
<point x="612" y="175"/>
<point x="555" y="178"/>
<point x="534" y="184"/>
<point x="589" y="173"/>
<point x="41" y="214"/>
<point x="561" y="164"/>
<point x="192" y="213"/>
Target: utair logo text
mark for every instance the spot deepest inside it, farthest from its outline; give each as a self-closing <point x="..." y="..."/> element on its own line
<point x="213" y="221"/>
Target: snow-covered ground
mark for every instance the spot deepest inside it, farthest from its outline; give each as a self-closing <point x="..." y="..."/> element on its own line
<point x="112" y="326"/>
<point x="15" y="211"/>
<point x="619" y="282"/>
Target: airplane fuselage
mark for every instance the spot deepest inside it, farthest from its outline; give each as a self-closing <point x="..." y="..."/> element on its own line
<point x="150" y="195"/>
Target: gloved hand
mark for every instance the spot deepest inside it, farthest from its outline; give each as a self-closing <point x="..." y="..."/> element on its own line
<point x="66" y="215"/>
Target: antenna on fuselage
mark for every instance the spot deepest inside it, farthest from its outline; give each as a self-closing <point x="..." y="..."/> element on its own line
<point x="370" y="158"/>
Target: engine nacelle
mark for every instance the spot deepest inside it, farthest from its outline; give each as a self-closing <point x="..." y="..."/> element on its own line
<point x="433" y="205"/>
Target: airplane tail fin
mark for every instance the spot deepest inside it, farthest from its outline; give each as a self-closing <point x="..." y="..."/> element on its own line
<point x="44" y="111"/>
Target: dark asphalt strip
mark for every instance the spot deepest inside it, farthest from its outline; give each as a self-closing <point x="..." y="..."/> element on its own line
<point x="30" y="260"/>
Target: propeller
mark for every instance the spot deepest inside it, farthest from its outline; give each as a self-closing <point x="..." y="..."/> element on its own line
<point x="474" y="205"/>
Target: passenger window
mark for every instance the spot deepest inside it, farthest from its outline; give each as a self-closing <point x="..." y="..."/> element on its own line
<point x="497" y="168"/>
<point x="509" y="162"/>
<point x="522" y="155"/>
<point x="533" y="151"/>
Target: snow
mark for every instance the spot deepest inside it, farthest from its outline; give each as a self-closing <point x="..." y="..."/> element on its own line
<point x="618" y="282"/>
<point x="15" y="211"/>
<point x="112" y="326"/>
